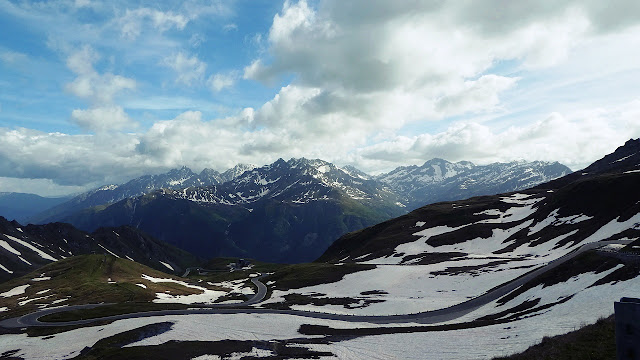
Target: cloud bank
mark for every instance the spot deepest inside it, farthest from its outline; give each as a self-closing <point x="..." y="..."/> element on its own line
<point x="375" y="84"/>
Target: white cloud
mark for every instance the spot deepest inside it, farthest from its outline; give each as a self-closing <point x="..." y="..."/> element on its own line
<point x="42" y="187"/>
<point x="196" y="40"/>
<point x="82" y="160"/>
<point x="89" y="84"/>
<point x="190" y="70"/>
<point x="12" y="57"/>
<point x="374" y="83"/>
<point x="82" y="3"/>
<point x="132" y="21"/>
<point x="220" y="81"/>
<point x="70" y="160"/>
<point x="575" y="140"/>
<point x="100" y="90"/>
<point x="102" y="118"/>
<point x="230" y="27"/>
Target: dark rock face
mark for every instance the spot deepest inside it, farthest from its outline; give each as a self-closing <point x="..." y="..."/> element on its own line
<point x="26" y="248"/>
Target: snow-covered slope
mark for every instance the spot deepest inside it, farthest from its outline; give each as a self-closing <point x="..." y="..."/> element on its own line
<point x="463" y="249"/>
<point x="440" y="180"/>
<point x="26" y="248"/>
<point x="174" y="179"/>
<point x="297" y="181"/>
<point x="235" y="171"/>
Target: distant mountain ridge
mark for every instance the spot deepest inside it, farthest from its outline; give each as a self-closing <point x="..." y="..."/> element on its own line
<point x="287" y="211"/>
<point x="173" y="179"/>
<point x="21" y="206"/>
<point x="440" y="180"/>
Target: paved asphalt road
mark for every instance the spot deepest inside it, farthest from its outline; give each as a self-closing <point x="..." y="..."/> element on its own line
<point x="427" y="317"/>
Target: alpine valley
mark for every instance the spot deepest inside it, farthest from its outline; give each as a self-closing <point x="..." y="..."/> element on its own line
<point x="497" y="273"/>
<point x="288" y="211"/>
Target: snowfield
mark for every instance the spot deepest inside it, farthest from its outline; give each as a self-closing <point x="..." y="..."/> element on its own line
<point x="586" y="306"/>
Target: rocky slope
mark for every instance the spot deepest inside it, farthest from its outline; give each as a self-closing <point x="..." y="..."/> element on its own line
<point x="26" y="248"/>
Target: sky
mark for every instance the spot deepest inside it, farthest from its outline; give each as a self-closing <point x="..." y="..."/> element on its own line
<point x="97" y="92"/>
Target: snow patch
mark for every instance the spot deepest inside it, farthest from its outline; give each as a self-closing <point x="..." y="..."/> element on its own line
<point x="520" y="199"/>
<point x="41" y="253"/>
<point x="5" y="269"/>
<point x="109" y="251"/>
<point x="167" y="265"/>
<point x="9" y="248"/>
<point x="18" y="290"/>
<point x="206" y="297"/>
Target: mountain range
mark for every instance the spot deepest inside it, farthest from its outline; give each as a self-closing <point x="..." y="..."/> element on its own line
<point x="495" y="272"/>
<point x="287" y="211"/>
<point x="108" y="194"/>
<point x="440" y="180"/>
<point x="21" y="206"/>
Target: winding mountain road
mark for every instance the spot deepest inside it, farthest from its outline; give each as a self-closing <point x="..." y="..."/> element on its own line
<point x="427" y="317"/>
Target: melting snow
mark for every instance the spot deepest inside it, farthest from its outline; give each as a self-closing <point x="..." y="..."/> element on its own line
<point x="42" y="254"/>
<point x="5" y="269"/>
<point x="207" y="296"/>
<point x="520" y="199"/>
<point x="167" y="265"/>
<point x="109" y="251"/>
<point x="516" y="213"/>
<point x="552" y="219"/>
<point x="614" y="227"/>
<point x="41" y="278"/>
<point x="18" y="290"/>
<point x="626" y="157"/>
<point x="9" y="248"/>
<point x="22" y="303"/>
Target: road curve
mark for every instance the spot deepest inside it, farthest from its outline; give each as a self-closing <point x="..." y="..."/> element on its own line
<point x="427" y="317"/>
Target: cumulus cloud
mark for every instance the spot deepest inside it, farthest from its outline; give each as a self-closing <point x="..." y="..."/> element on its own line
<point x="99" y="90"/>
<point x="189" y="70"/>
<point x="373" y="83"/>
<point x="102" y="118"/>
<point x="575" y="140"/>
<point x="377" y="66"/>
<point x="188" y="139"/>
<point x="67" y="159"/>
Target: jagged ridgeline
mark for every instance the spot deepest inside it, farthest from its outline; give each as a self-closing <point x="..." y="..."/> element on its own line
<point x="600" y="202"/>
<point x="26" y="248"/>
<point x="288" y="211"/>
